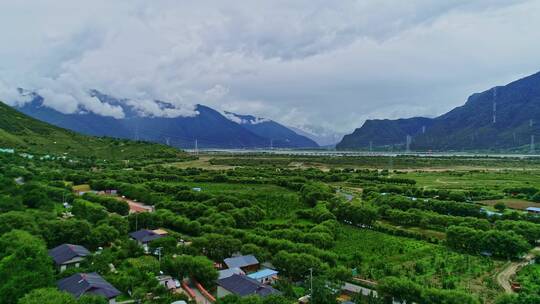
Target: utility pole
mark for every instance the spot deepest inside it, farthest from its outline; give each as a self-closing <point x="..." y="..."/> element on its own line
<point x="196" y="147"/>
<point x="271" y="144"/>
<point x="494" y="105"/>
<point x="159" y="254"/>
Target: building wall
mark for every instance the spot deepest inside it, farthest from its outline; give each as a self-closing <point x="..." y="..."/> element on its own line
<point x="251" y="268"/>
<point x="222" y="292"/>
<point x="266" y="280"/>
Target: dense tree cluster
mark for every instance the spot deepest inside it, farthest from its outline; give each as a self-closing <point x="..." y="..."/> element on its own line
<point x="505" y="244"/>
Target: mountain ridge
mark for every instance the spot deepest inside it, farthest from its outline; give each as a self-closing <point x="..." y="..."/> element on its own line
<point x="503" y="117"/>
<point x="207" y="129"/>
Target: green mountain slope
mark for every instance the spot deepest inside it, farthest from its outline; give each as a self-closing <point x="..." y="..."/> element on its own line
<point x="501" y="118"/>
<point x="27" y="134"/>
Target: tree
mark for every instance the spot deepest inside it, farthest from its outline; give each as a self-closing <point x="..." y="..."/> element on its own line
<point x="296" y="265"/>
<point x="23" y="258"/>
<point x="324" y="292"/>
<point x="199" y="267"/>
<point x="167" y="244"/>
<point x="393" y="288"/>
<point x="119" y="223"/>
<point x="17" y="220"/>
<point x="217" y="246"/>
<point x="10" y="203"/>
<point x="36" y="198"/>
<point x="102" y="235"/>
<point x="72" y="231"/>
<point x="90" y="299"/>
<point x="47" y="296"/>
<point x="500" y="206"/>
<point x="89" y="211"/>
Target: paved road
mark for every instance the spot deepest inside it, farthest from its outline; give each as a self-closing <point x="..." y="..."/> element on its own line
<point x="503" y="278"/>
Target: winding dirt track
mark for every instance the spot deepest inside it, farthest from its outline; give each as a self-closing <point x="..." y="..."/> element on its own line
<point x="503" y="278"/>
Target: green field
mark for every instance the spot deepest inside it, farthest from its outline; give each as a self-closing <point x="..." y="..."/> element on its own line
<point x="418" y="230"/>
<point x="425" y="263"/>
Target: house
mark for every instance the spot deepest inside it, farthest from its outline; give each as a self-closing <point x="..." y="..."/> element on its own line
<point x="248" y="263"/>
<point x="111" y="192"/>
<point x="144" y="236"/>
<point x="197" y="189"/>
<point x="225" y="273"/>
<point x="243" y="286"/>
<point x="81" y="284"/>
<point x="265" y="276"/>
<point x="534" y="210"/>
<point x="68" y="255"/>
<point x="167" y="282"/>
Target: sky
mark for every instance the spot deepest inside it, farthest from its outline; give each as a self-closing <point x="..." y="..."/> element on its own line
<point x="322" y="66"/>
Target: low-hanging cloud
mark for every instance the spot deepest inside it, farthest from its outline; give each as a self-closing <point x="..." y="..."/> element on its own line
<point x="313" y="64"/>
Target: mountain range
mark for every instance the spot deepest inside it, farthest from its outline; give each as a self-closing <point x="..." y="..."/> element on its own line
<point x="503" y="117"/>
<point x="208" y="128"/>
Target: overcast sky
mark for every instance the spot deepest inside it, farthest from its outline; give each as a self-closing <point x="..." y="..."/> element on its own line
<point x="304" y="63"/>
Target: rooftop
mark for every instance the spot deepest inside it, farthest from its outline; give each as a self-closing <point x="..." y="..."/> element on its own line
<point x="87" y="283"/>
<point x="66" y="252"/>
<point x="145" y="236"/>
<point x="535" y="209"/>
<point x="265" y="273"/>
<point x="244" y="286"/>
<point x="225" y="273"/>
<point x="241" y="261"/>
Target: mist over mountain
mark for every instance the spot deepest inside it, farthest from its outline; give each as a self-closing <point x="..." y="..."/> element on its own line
<point x="279" y="135"/>
<point x="163" y="122"/>
<point x="502" y="117"/>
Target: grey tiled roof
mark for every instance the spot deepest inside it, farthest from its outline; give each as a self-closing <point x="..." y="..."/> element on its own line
<point x="243" y="286"/>
<point x="241" y="261"/>
<point x="144" y="235"/>
<point x="66" y="252"/>
<point x="87" y="283"/>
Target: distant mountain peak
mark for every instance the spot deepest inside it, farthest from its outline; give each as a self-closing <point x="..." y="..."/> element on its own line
<point x="165" y="122"/>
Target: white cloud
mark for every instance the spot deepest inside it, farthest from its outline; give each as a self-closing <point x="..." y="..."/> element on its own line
<point x="308" y="63"/>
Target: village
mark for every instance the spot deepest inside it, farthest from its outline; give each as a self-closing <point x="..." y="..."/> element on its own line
<point x="238" y="275"/>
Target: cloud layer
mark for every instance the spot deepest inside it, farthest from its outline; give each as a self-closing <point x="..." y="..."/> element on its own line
<point x="306" y="63"/>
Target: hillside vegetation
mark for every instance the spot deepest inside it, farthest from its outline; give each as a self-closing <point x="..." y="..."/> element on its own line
<point x="26" y="134"/>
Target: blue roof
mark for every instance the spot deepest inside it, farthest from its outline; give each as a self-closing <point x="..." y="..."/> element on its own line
<point x="263" y="274"/>
<point x="536" y="209"/>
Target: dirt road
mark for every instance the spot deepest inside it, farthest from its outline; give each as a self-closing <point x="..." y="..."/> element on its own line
<point x="503" y="278"/>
